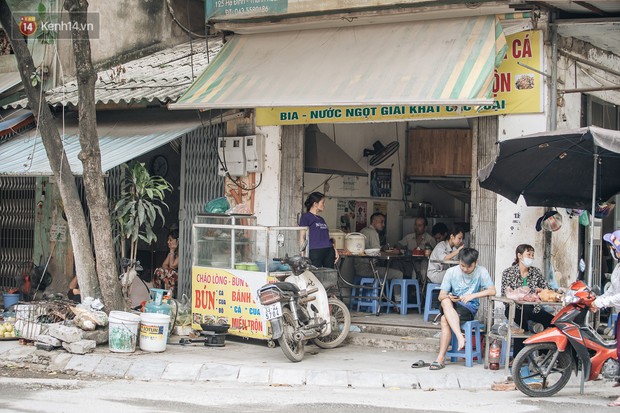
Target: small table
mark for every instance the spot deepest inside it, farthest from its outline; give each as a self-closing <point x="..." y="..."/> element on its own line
<point x="387" y="258"/>
<point x="509" y="335"/>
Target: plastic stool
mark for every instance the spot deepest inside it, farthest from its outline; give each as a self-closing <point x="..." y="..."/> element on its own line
<point x="404" y="304"/>
<point x="428" y="302"/>
<point x="369" y="286"/>
<point x="470" y="351"/>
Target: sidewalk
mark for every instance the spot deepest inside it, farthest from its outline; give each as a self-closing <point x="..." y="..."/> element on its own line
<point x="253" y="362"/>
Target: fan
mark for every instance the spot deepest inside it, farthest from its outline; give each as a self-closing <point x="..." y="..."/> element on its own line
<point x="380" y="152"/>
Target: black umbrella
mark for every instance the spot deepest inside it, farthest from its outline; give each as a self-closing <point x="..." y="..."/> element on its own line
<point x="557" y="169"/>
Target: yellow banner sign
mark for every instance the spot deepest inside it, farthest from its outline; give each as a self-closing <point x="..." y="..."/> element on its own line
<point x="226" y="297"/>
<point x="516" y="89"/>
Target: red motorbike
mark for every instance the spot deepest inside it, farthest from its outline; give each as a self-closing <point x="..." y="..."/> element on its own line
<point x="544" y="366"/>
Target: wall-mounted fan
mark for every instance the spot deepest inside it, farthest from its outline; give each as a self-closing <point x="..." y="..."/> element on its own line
<point x="380" y="152"/>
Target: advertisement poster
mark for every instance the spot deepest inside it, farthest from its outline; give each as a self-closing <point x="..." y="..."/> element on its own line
<point x="346" y="214"/>
<point x="226" y="296"/>
<point x="361" y="219"/>
<point x="516" y="89"/>
<point x="381" y="182"/>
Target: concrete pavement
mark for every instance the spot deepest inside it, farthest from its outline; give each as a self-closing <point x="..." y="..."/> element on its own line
<point x="253" y="362"/>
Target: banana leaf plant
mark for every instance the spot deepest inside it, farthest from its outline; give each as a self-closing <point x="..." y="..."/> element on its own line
<point x="136" y="211"/>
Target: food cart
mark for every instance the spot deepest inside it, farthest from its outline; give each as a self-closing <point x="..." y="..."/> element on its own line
<point x="232" y="258"/>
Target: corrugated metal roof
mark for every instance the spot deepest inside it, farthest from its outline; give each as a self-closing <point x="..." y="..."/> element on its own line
<point x="8" y="80"/>
<point x="162" y="77"/>
<point x="123" y="135"/>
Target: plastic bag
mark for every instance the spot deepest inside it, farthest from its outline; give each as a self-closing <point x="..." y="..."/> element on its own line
<point x="184" y="312"/>
<point x="242" y="208"/>
<point x="217" y="206"/>
<point x="518" y="293"/>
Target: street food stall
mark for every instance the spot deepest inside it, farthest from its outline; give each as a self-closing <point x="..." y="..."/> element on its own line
<point x="232" y="258"/>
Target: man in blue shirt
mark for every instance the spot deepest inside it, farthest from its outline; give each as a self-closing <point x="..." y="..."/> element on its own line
<point x="461" y="288"/>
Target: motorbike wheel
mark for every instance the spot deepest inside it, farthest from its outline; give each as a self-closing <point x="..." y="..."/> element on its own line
<point x="340" y="319"/>
<point x="293" y="350"/>
<point x="537" y="360"/>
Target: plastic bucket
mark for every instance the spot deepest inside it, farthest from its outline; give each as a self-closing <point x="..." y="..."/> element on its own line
<point x="9" y="299"/>
<point x="123" y="331"/>
<point x="154" y="332"/>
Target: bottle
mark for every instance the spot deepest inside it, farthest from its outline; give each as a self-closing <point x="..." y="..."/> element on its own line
<point x="535" y="327"/>
<point x="494" y="354"/>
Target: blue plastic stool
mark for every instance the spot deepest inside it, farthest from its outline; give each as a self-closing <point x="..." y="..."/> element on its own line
<point x="369" y="286"/>
<point x="470" y="351"/>
<point x="428" y="302"/>
<point x="404" y="304"/>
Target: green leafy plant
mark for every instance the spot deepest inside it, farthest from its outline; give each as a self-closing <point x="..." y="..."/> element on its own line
<point x="142" y="197"/>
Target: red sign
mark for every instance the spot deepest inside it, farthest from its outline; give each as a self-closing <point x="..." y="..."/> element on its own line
<point x="28" y="25"/>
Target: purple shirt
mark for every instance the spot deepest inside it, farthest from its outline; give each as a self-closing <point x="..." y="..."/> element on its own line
<point x="319" y="233"/>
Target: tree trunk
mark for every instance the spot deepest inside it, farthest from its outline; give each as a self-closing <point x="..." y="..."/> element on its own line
<point x="90" y="155"/>
<point x="84" y="263"/>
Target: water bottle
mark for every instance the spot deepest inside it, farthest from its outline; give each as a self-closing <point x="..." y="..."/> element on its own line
<point x="494" y="354"/>
<point x="500" y="329"/>
<point x="535" y="327"/>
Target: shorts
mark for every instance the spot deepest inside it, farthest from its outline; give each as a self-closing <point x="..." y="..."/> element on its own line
<point x="462" y="311"/>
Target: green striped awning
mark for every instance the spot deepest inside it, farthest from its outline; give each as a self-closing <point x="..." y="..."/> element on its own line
<point x="447" y="62"/>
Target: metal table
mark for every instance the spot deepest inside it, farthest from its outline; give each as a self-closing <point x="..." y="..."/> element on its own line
<point x="509" y="335"/>
<point x="387" y="258"/>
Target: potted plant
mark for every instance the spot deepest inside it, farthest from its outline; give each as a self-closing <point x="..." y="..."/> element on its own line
<point x="136" y="211"/>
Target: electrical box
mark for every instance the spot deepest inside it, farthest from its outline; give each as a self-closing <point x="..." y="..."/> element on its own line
<point x="254" y="153"/>
<point x="232" y="155"/>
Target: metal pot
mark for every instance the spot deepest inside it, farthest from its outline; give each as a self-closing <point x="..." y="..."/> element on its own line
<point x="425" y="209"/>
<point x="355" y="242"/>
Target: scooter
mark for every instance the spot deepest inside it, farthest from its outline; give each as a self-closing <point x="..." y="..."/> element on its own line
<point x="544" y="366"/>
<point x="299" y="310"/>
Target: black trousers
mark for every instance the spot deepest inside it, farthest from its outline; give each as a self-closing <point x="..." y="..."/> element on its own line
<point x="323" y="257"/>
<point x="529" y="314"/>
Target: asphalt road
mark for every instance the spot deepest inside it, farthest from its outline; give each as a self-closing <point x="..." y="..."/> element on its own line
<point x="93" y="396"/>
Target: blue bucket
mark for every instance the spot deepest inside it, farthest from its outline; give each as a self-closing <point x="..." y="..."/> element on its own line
<point x="9" y="299"/>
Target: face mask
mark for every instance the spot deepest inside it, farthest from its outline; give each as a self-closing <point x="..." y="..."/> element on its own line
<point x="527" y="262"/>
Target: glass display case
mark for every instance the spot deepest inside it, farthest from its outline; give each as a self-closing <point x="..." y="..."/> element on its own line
<point x="230" y="263"/>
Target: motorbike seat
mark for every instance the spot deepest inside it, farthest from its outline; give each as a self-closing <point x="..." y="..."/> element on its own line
<point x="286" y="286"/>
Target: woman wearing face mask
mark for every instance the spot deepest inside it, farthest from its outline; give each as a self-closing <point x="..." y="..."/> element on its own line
<point x="522" y="273"/>
<point x="612" y="297"/>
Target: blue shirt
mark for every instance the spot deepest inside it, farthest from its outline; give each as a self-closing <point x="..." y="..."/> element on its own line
<point x="319" y="233"/>
<point x="460" y="284"/>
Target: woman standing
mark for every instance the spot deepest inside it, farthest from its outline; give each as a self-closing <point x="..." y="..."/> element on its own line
<point x="523" y="274"/>
<point x="322" y="251"/>
<point x="612" y="297"/>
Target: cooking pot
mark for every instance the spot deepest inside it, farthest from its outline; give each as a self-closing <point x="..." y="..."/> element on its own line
<point x="355" y="242"/>
<point x="338" y="237"/>
<point x="425" y="209"/>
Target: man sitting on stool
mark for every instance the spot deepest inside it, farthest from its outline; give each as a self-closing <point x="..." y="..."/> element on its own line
<point x="461" y="288"/>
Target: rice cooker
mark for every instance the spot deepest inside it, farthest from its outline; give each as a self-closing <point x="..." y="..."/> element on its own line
<point x="355" y="242"/>
<point x="338" y="237"/>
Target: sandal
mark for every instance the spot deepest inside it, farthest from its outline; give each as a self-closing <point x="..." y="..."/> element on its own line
<point x="435" y="365"/>
<point x="419" y="364"/>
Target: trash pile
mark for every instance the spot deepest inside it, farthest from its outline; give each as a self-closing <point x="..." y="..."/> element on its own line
<point x="54" y="324"/>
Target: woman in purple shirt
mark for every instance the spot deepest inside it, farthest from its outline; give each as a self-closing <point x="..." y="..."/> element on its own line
<point x="322" y="251"/>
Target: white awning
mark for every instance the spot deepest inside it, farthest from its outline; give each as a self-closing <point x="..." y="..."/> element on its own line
<point x="122" y="136"/>
<point x="439" y="62"/>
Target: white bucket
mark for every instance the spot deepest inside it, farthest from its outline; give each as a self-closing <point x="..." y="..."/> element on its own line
<point x="123" y="332"/>
<point x="154" y="331"/>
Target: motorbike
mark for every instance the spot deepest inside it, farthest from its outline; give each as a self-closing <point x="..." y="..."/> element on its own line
<point x="544" y="366"/>
<point x="300" y="309"/>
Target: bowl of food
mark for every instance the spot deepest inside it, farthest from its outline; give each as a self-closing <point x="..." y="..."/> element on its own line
<point x="372" y="251"/>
